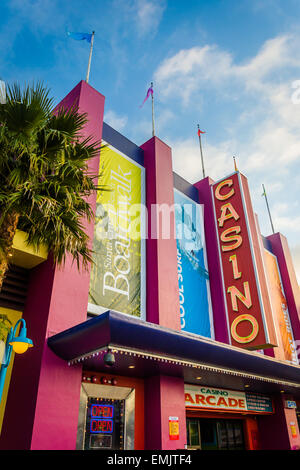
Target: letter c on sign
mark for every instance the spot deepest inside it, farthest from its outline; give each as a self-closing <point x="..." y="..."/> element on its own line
<point x="253" y="334"/>
<point x="221" y="197"/>
<point x="209" y="400"/>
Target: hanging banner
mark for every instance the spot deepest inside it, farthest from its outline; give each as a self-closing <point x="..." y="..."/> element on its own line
<point x="245" y="313"/>
<point x="117" y="276"/>
<point x="280" y="310"/>
<point x="193" y="278"/>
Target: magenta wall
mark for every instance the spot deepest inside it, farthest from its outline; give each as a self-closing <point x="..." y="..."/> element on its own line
<point x="164" y="397"/>
<point x="161" y="268"/>
<point x="213" y="260"/>
<point x="46" y="388"/>
<point x="274" y="430"/>
<point x="280" y="248"/>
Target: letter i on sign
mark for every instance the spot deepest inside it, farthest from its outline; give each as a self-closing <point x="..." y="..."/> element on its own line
<point x="236" y="273"/>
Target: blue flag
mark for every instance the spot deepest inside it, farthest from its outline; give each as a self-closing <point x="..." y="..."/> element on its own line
<point x="80" y="36"/>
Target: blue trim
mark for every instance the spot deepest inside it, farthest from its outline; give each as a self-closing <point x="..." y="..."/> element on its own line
<point x="121" y="143"/>
<point x="267" y="244"/>
<point x="113" y="328"/>
<point x="185" y="187"/>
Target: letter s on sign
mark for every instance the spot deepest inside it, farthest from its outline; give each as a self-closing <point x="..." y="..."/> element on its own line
<point x="226" y="237"/>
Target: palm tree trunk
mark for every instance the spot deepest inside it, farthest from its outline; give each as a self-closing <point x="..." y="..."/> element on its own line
<point x="7" y="232"/>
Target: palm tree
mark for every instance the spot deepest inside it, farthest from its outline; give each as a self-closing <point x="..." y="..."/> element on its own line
<point x="44" y="182"/>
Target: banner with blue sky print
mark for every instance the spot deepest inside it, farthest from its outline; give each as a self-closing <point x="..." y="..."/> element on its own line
<point x="193" y="277"/>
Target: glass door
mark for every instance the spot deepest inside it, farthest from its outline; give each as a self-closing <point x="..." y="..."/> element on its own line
<point x="214" y="434"/>
<point x="209" y="435"/>
<point x="104" y="424"/>
<point x="230" y="434"/>
<point x="193" y="433"/>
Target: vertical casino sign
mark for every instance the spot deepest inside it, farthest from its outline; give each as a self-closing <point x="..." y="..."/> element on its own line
<point x="247" y="327"/>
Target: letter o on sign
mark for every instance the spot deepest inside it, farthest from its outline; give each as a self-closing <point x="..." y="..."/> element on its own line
<point x="251" y="336"/>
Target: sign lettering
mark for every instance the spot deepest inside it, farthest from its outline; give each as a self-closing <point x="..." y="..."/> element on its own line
<point x="242" y="297"/>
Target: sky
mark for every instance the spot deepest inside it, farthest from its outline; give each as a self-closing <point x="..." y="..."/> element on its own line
<point x="231" y="66"/>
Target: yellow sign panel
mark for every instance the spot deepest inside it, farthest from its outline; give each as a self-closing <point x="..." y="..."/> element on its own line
<point x="117" y="273"/>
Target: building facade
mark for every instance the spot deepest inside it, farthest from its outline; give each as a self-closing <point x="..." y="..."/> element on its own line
<point x="182" y="334"/>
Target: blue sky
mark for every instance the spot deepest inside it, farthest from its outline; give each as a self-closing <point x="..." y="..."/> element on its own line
<point x="229" y="65"/>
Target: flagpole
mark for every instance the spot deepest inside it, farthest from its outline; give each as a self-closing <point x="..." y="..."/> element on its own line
<point x="235" y="166"/>
<point x="90" y="58"/>
<point x="152" y="98"/>
<point x="201" y="153"/>
<point x="265" y="194"/>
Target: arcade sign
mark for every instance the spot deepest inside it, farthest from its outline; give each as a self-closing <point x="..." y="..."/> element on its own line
<point x="218" y="399"/>
<point x="244" y="307"/>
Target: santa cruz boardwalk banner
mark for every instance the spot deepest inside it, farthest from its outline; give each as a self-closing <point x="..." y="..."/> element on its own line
<point x="193" y="277"/>
<point x="118" y="274"/>
<point x="243" y="300"/>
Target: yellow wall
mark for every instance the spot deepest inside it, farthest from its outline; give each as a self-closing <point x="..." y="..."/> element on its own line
<point x="13" y="316"/>
<point x="24" y="255"/>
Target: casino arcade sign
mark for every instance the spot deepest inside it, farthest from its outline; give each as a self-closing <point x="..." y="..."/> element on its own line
<point x="244" y="307"/>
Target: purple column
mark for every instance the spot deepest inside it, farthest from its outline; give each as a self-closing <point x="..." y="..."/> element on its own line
<point x="164" y="396"/>
<point x="161" y="251"/>
<point x="280" y="430"/>
<point x="213" y="260"/>
<point x="164" y="399"/>
<point x="44" y="392"/>
<point x="280" y="248"/>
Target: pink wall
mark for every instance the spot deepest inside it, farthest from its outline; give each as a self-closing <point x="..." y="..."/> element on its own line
<point x="213" y="260"/>
<point x="164" y="398"/>
<point x="47" y="389"/>
<point x="162" y="280"/>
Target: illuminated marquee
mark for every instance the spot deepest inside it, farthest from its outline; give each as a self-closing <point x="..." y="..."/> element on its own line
<point x="243" y="302"/>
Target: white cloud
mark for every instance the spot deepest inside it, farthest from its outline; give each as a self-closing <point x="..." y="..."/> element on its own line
<point x="183" y="74"/>
<point x="149" y="14"/>
<point x="265" y="136"/>
<point x="218" y="160"/>
<point x="189" y="70"/>
<point x="266" y="133"/>
<point x="115" y="121"/>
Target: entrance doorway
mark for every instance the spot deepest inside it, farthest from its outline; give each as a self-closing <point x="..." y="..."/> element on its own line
<point x="106" y="418"/>
<point x="215" y="434"/>
<point x="104" y="424"/>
